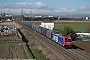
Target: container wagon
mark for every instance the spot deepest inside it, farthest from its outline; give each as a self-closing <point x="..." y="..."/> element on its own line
<point x="40" y="29"/>
<point x="37" y="28"/>
<point x="44" y="31"/>
<point x="49" y="33"/>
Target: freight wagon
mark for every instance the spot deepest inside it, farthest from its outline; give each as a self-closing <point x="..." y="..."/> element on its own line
<point x="44" y="31"/>
<point x="40" y="29"/>
<point x="37" y="28"/>
<point x="63" y="40"/>
<point x="49" y="34"/>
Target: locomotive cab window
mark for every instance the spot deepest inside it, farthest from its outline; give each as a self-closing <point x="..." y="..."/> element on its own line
<point x="68" y="39"/>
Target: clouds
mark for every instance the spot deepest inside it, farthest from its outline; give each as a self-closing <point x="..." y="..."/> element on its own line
<point x="39" y="4"/>
<point x="85" y="9"/>
<point x="37" y="8"/>
<point x="31" y="5"/>
<point x="64" y="10"/>
<point x="40" y="8"/>
<point x="24" y="3"/>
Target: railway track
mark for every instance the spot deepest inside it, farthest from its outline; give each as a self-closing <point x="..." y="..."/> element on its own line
<point x="62" y="51"/>
<point x="83" y="54"/>
<point x="59" y="52"/>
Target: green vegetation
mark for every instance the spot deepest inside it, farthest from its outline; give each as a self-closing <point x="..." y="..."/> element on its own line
<point x="68" y="31"/>
<point x="31" y="53"/>
<point x="38" y="23"/>
<point x="34" y="53"/>
<point x="38" y="53"/>
<point x="77" y="26"/>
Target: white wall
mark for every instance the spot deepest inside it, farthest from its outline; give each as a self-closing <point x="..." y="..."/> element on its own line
<point x="47" y="25"/>
<point x="87" y="18"/>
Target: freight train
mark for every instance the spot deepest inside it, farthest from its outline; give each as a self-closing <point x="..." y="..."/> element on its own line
<point x="63" y="40"/>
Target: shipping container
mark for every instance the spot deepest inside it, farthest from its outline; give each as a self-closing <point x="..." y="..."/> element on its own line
<point x="40" y="29"/>
<point x="49" y="33"/>
<point x="30" y="24"/>
<point x="33" y="25"/>
<point x="44" y="31"/>
<point x="37" y="28"/>
<point x="27" y="23"/>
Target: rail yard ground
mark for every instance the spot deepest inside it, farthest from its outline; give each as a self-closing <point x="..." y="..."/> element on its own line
<point x="18" y="50"/>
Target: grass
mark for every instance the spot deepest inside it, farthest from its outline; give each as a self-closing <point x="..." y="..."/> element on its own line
<point x="30" y="52"/>
<point x="38" y="53"/>
<point x="77" y="26"/>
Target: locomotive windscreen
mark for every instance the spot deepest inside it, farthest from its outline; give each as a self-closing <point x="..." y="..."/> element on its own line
<point x="68" y="39"/>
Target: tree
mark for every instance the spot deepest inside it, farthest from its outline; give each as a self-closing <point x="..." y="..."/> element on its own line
<point x="68" y="31"/>
<point x="56" y="30"/>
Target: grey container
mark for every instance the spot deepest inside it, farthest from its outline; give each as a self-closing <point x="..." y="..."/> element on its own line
<point x="37" y="28"/>
<point x="49" y="33"/>
<point x="40" y="29"/>
<point x="44" y="31"/>
<point x="33" y="26"/>
<point x="30" y="25"/>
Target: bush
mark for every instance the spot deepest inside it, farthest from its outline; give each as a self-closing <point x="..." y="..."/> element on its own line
<point x="68" y="31"/>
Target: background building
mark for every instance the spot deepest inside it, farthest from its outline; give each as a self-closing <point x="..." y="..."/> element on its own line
<point x="49" y="25"/>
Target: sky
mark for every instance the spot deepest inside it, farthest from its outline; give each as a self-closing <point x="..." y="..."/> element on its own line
<point x="46" y="6"/>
